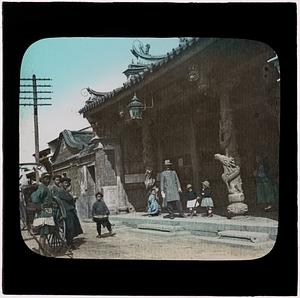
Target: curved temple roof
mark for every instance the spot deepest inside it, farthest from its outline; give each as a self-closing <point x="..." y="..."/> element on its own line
<point x="153" y="67"/>
<point x="74" y="139"/>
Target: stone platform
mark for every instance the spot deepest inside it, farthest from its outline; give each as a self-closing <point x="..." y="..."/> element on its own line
<point x="242" y="231"/>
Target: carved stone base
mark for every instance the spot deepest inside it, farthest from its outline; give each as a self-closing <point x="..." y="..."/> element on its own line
<point x="236" y="197"/>
<point x="237" y="209"/>
<point x="123" y="209"/>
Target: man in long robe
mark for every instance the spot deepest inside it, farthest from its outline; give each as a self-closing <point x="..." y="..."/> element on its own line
<point x="266" y="190"/>
<point x="170" y="189"/>
<point x="73" y="227"/>
<point x="56" y="186"/>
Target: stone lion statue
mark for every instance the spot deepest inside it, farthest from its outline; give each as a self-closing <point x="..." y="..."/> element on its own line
<point x="231" y="177"/>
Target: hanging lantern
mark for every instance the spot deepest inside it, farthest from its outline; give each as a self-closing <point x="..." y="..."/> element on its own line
<point x="135" y="108"/>
<point x="193" y="73"/>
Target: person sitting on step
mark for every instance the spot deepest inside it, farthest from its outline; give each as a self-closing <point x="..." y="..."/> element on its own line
<point x="153" y="208"/>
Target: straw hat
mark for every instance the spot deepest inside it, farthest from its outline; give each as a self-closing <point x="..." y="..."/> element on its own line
<point x="189" y="186"/>
<point x="205" y="183"/>
<point x="168" y="162"/>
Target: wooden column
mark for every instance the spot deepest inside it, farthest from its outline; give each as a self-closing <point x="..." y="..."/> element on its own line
<point x="122" y="200"/>
<point x="194" y="157"/>
<point x="148" y="148"/>
<point x="227" y="132"/>
<point x="230" y="160"/>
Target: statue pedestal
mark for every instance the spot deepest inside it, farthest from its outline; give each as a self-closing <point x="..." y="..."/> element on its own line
<point x="237" y="209"/>
<point x="236" y="197"/>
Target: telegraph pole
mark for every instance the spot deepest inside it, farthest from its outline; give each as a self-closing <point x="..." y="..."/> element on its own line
<point x="35" y="120"/>
<point x="35" y="105"/>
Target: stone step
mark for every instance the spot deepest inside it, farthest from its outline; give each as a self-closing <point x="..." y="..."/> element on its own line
<point x="161" y="233"/>
<point x="161" y="228"/>
<point x="236" y="242"/>
<point x="208" y="225"/>
<point x="254" y="237"/>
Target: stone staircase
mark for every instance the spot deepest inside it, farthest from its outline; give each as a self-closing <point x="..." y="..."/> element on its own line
<point x="167" y="230"/>
<point x="255" y="240"/>
<point x="247" y="231"/>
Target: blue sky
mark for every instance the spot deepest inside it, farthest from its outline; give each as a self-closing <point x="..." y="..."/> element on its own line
<point x="74" y="64"/>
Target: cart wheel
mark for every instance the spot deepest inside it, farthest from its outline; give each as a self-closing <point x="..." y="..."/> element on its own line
<point x="56" y="239"/>
<point x="23" y="216"/>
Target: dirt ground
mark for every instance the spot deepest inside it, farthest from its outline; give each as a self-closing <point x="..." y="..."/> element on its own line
<point x="129" y="243"/>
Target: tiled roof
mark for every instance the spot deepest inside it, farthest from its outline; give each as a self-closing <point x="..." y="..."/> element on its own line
<point x="134" y="80"/>
<point x="74" y="139"/>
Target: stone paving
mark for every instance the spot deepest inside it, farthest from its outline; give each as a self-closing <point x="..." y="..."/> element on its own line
<point x="133" y="243"/>
<point x="204" y="224"/>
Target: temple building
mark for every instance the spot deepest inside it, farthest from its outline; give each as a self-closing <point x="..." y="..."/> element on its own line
<point x="207" y="96"/>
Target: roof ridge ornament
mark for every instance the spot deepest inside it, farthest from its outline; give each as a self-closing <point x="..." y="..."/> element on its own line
<point x="139" y="50"/>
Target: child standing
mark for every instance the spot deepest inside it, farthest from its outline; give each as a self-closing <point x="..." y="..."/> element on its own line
<point x="192" y="200"/>
<point x="207" y="201"/>
<point x="100" y="214"/>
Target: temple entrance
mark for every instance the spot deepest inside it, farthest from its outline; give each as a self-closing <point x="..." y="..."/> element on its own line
<point x="188" y="135"/>
<point x="176" y="146"/>
<point x="206" y="119"/>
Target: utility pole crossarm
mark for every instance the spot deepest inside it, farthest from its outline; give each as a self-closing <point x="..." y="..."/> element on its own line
<point x="38" y="92"/>
<point x="32" y="104"/>
<point x="38" y="98"/>
<point x="35" y="105"/>
<point x="36" y="85"/>
<point x="37" y="79"/>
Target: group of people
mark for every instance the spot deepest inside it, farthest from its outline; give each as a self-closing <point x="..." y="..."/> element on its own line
<point x="46" y="211"/>
<point x="46" y="216"/>
<point x="170" y="189"/>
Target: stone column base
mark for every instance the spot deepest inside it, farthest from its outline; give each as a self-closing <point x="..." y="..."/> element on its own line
<point x="123" y="209"/>
<point x="236" y="197"/>
<point x="237" y="209"/>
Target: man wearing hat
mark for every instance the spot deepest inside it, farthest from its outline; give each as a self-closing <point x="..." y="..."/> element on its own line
<point x="43" y="220"/>
<point x="73" y="227"/>
<point x="56" y="186"/>
<point x="170" y="189"/>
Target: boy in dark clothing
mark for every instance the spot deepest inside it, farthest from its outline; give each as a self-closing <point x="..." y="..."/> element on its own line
<point x="192" y="200"/>
<point x="207" y="201"/>
<point x="100" y="214"/>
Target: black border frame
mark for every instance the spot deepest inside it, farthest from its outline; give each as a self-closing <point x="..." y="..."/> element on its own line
<point x="272" y="23"/>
